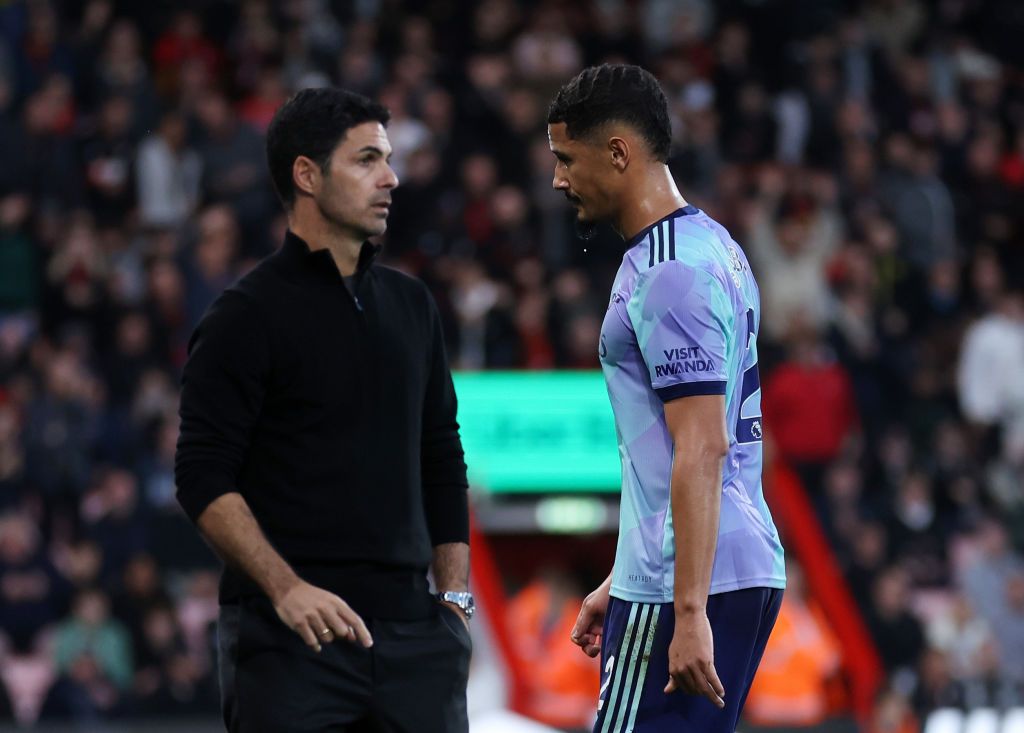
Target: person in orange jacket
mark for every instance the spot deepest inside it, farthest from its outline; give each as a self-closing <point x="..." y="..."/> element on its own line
<point x="792" y="684"/>
<point x="562" y="684"/>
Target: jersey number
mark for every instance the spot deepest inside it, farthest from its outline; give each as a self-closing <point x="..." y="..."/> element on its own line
<point x="748" y="424"/>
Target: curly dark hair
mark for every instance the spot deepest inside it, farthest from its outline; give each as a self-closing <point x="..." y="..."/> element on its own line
<point x="312" y="123"/>
<point x="615" y="92"/>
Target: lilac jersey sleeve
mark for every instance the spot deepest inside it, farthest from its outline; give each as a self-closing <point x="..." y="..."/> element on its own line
<point x="682" y="318"/>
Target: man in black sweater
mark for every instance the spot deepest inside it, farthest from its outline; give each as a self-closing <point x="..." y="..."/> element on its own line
<point x="320" y="456"/>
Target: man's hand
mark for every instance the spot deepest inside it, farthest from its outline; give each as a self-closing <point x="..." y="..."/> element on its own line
<point x="320" y="617"/>
<point x="458" y="611"/>
<point x="691" y="655"/>
<point x="586" y="634"/>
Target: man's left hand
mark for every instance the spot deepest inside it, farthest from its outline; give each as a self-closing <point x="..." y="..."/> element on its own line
<point x="691" y="655"/>
<point x="461" y="614"/>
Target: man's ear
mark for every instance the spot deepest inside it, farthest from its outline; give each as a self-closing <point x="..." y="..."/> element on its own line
<point x="618" y="149"/>
<point x="306" y="175"/>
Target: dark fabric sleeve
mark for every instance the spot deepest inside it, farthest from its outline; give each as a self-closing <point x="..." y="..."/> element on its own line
<point x="221" y="396"/>
<point x="442" y="462"/>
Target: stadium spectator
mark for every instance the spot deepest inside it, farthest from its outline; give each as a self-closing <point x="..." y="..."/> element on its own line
<point x="211" y="266"/>
<point x="897" y="632"/>
<point x="964" y="638"/>
<point x="233" y="169"/>
<point x="141" y="589"/>
<point x="985" y="579"/>
<point x="800" y="663"/>
<point x="917" y="531"/>
<point x="112" y="515"/>
<point x="563" y="683"/>
<point x="184" y="41"/>
<point x="168" y="681"/>
<point x="790" y="240"/>
<point x="94" y="660"/>
<point x="893" y="714"/>
<point x="1011" y="631"/>
<point x="31" y="590"/>
<point x="990" y="362"/>
<point x="808" y="404"/>
<point x="936" y="687"/>
<point x="168" y="174"/>
<point x="108" y="157"/>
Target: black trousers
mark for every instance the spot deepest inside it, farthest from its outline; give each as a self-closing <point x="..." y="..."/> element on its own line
<point x="412" y="680"/>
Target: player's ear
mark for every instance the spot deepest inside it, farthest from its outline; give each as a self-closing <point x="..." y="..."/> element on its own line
<point x="619" y="152"/>
<point x="305" y="175"/>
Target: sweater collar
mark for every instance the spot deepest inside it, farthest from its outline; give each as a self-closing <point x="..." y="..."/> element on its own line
<point x="296" y="250"/>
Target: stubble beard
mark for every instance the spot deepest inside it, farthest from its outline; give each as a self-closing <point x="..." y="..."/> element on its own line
<point x="359" y="229"/>
<point x="585" y="230"/>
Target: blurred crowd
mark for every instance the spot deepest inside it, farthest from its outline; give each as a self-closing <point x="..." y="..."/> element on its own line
<point x="868" y="155"/>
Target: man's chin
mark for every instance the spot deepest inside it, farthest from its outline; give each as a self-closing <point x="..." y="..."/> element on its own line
<point x="376" y="228"/>
<point x="585" y="228"/>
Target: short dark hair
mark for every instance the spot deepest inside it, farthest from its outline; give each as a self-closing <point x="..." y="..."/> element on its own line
<point x="312" y="123"/>
<point x="619" y="93"/>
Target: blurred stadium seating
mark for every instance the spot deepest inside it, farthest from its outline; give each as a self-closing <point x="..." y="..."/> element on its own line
<point x="868" y="155"/>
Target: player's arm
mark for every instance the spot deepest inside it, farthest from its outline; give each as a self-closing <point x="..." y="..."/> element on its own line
<point x="443" y="470"/>
<point x="683" y="319"/>
<point x="223" y="387"/>
<point x="697" y="429"/>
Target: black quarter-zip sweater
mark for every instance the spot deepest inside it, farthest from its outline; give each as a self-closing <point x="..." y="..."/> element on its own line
<point x="334" y="415"/>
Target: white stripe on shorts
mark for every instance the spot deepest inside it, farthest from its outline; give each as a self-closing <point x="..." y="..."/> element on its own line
<point x="643" y="668"/>
<point x="637" y="625"/>
<point x="609" y="704"/>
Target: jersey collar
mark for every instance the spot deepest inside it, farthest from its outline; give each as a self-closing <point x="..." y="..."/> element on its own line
<point x="642" y="234"/>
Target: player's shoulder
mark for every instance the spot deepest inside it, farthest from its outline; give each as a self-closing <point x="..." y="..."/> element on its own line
<point x="694" y="262"/>
<point x="686" y="242"/>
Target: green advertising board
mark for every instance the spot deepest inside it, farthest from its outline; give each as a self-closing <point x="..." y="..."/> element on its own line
<point x="538" y="431"/>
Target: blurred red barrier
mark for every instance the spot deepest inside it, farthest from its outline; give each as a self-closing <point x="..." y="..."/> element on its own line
<point x="486" y="579"/>
<point x="805" y="538"/>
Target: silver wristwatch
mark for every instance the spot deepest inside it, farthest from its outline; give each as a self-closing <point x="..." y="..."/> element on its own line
<point x="462" y="599"/>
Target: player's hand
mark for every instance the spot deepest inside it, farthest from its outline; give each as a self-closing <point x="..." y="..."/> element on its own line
<point x="691" y="659"/>
<point x="320" y="617"/>
<point x="586" y="634"/>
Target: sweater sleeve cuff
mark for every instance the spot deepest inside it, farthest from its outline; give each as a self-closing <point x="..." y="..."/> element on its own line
<point x="200" y="486"/>
<point x="448" y="515"/>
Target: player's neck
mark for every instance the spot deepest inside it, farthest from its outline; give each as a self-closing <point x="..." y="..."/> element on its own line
<point x="319" y="233"/>
<point x="654" y="197"/>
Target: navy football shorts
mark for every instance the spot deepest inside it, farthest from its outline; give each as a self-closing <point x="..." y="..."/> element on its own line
<point x="634" y="663"/>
